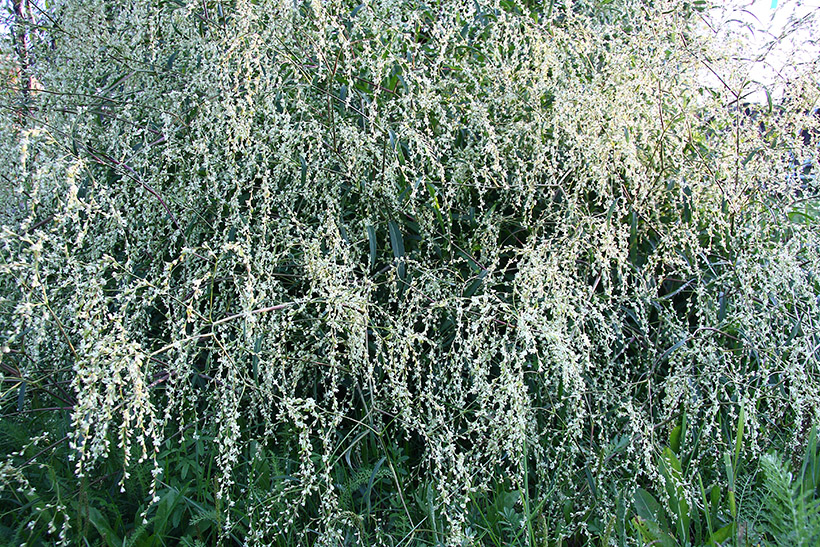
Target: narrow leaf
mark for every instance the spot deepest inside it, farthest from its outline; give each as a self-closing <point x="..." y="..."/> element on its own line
<point x="21" y="396"/>
<point x="741" y="424"/>
<point x="396" y="239"/>
<point x="669" y="351"/>
<point x="371" y="238"/>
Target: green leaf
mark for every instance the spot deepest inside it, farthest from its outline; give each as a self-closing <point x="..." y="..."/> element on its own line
<point x="714" y="501"/>
<point x="727" y="462"/>
<point x="677" y="291"/>
<point x="674" y="439"/>
<point x="722" y="534"/>
<point x="751" y="156"/>
<point x="795" y="329"/>
<point x="741" y="424"/>
<point x="649" y="509"/>
<point x="669" y="351"/>
<point x="371" y="238"/>
<point x="176" y="516"/>
<point x="475" y="284"/>
<point x="612" y="207"/>
<point x="434" y="199"/>
<point x="372" y="479"/>
<point x="21" y="396"/>
<point x="653" y="534"/>
<point x="392" y="136"/>
<point x="169" y="64"/>
<point x="397" y="244"/>
<point x="678" y="504"/>
<point x="810" y="470"/>
<point x="722" y="306"/>
<point x="396" y="239"/>
<point x="165" y="508"/>
<point x="98" y="521"/>
<point x="705" y="505"/>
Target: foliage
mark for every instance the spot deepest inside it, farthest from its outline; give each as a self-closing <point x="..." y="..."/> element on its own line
<point x="401" y="273"/>
<point x="792" y="506"/>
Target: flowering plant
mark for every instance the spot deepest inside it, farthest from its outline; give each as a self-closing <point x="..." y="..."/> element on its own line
<point x="405" y="246"/>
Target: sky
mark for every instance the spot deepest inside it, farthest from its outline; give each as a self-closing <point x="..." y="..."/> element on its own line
<point x="759" y="23"/>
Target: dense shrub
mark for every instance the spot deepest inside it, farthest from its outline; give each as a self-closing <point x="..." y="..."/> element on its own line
<point x="377" y="261"/>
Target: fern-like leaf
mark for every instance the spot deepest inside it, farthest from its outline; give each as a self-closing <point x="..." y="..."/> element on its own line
<point x="791" y="517"/>
<point x="137" y="533"/>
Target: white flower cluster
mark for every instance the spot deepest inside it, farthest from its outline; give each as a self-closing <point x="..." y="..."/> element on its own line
<point x="503" y="237"/>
